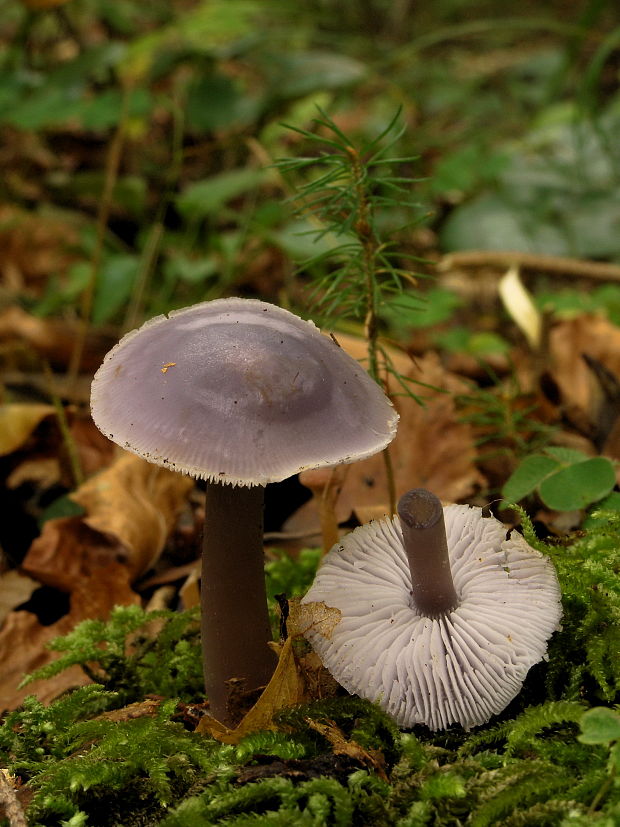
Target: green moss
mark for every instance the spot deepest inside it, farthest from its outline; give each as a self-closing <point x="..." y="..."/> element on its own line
<point x="529" y="766"/>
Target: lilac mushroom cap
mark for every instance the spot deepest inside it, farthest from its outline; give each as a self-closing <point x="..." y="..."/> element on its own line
<point x="462" y="666"/>
<point x="239" y="391"/>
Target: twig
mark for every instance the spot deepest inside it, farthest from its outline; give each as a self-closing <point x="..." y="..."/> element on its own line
<point x="67" y="437"/>
<point x="502" y="259"/>
<point x="8" y="797"/>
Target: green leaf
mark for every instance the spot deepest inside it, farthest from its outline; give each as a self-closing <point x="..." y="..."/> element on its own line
<point x="304" y="239"/>
<point x="299" y="74"/>
<point x="567" y="456"/>
<point x="420" y="310"/>
<point x="528" y="476"/>
<point x="114" y="284"/>
<point x="215" y="102"/>
<point x="494" y="222"/>
<point x="599" y="725"/>
<point x="204" y="198"/>
<point x="576" y="486"/>
<point x="62" y="507"/>
<point x="190" y="270"/>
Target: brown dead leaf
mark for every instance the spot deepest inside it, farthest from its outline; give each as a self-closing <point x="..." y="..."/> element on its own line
<point x="286" y="688"/>
<point x="34" y="244"/>
<point x="317" y="616"/>
<point x="371" y="758"/>
<point x="320" y="683"/>
<point x="135" y="503"/>
<point x="95" y="450"/>
<point x="432" y="448"/>
<point x="23" y="639"/>
<point x="53" y="339"/>
<point x="147" y="708"/>
<point x="42" y="471"/>
<point x="190" y="590"/>
<point x="67" y="552"/>
<point x="15" y="588"/>
<point x="17" y="423"/>
<point x="592" y="335"/>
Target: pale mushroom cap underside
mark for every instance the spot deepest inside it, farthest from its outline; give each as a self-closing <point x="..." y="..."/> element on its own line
<point x="462" y="667"/>
<point x="239" y="391"/>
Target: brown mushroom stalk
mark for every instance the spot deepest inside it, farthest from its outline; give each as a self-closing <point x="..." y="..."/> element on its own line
<point x="235" y="620"/>
<point x="424" y="538"/>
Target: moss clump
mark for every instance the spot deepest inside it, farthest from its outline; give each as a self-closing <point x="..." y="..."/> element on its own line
<point x="90" y="759"/>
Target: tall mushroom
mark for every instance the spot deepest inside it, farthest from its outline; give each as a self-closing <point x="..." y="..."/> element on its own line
<point x="240" y="393"/>
<point x="439" y="625"/>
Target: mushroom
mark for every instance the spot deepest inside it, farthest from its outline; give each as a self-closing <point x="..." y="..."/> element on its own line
<point x="239" y="393"/>
<point x="442" y="612"/>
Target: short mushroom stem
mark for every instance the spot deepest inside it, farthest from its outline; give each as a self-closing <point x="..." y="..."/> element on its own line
<point x="235" y="620"/>
<point x="426" y="545"/>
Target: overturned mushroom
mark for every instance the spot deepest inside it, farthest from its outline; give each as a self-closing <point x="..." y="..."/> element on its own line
<point x="438" y="625"/>
<point x="240" y="393"/>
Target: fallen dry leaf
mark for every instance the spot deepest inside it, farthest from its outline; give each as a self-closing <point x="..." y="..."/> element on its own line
<point x="95" y="450"/>
<point x="592" y="335"/>
<point x="305" y="616"/>
<point x="320" y="683"/>
<point x="54" y="339"/>
<point x="135" y="503"/>
<point x="67" y="552"/>
<point x="286" y="688"/>
<point x="44" y="472"/>
<point x="23" y="639"/>
<point x="17" y="423"/>
<point x="372" y="758"/>
<point x="15" y="588"/>
<point x="34" y="244"/>
<point x="147" y="708"/>
<point x="432" y="448"/>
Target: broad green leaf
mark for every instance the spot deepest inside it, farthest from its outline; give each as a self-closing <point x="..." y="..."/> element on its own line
<point x="567" y="456"/>
<point x="496" y="222"/>
<point x="207" y="27"/>
<point x="480" y="344"/>
<point x="487" y="343"/>
<point x="410" y="310"/>
<point x="299" y="74"/>
<point x="103" y="111"/>
<point x="216" y="102"/>
<point x="204" y="198"/>
<point x="303" y="240"/>
<point x="190" y="270"/>
<point x="599" y="725"/>
<point x="114" y="285"/>
<point x="576" y="486"/>
<point x="62" y="507"/>
<point x="528" y="476"/>
<point x="59" y="294"/>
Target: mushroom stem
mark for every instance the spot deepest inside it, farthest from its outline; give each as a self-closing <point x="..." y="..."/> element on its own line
<point x="235" y="620"/>
<point x="426" y="546"/>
